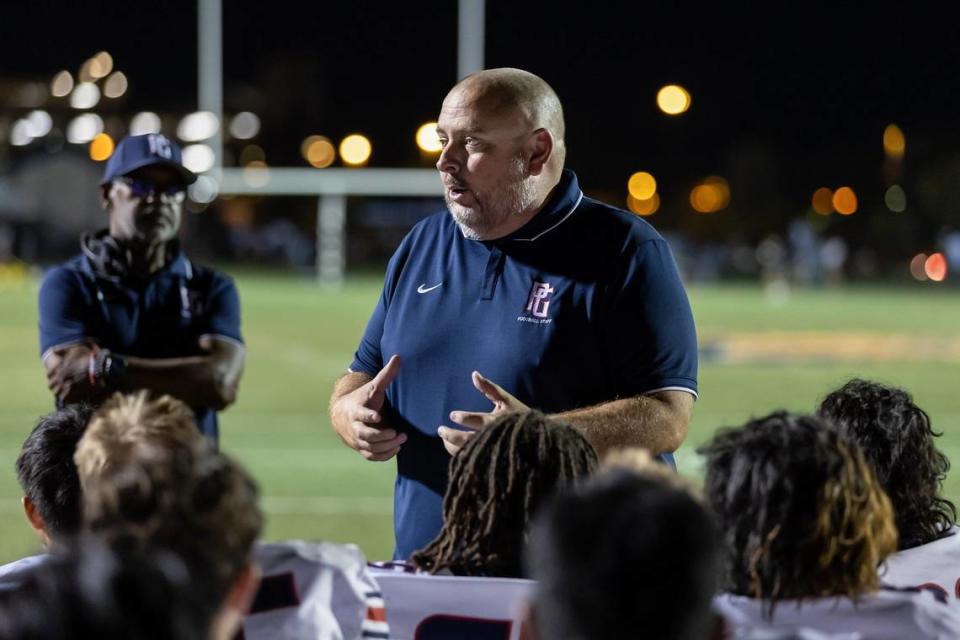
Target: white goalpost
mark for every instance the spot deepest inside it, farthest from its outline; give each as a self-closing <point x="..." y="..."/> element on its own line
<point x="332" y="187"/>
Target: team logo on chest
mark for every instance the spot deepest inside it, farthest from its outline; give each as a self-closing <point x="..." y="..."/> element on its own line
<point x="538" y="304"/>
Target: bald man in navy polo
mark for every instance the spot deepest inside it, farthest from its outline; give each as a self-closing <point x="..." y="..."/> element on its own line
<point x="525" y="293"/>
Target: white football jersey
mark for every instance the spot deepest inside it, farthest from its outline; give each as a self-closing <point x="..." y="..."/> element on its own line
<point x="885" y="615"/>
<point x="14" y="573"/>
<point x="797" y="634"/>
<point x="935" y="566"/>
<point x="442" y="607"/>
<point x="316" y="590"/>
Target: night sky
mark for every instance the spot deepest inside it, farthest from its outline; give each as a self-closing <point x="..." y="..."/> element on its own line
<point x="781" y="106"/>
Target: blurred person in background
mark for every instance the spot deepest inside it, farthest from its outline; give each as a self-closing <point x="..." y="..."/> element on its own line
<point x="574" y="307"/>
<point x="898" y="441"/>
<point x="131" y="311"/>
<point x="51" y="489"/>
<point x="805" y="524"/>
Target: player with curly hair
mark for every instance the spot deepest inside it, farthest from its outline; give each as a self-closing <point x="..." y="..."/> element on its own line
<point x="805" y="524"/>
<point x="898" y="441"/>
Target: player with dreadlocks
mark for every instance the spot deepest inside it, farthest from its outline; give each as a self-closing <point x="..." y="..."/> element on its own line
<point x="806" y="522"/>
<point x="497" y="484"/>
<point x="898" y="441"/>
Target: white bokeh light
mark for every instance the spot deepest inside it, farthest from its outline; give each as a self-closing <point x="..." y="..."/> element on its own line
<point x="20" y="133"/>
<point x="40" y="123"/>
<point x="198" y="158"/>
<point x="145" y="122"/>
<point x="85" y="128"/>
<point x="204" y="190"/>
<point x="85" y="95"/>
<point x="244" y="125"/>
<point x="197" y="126"/>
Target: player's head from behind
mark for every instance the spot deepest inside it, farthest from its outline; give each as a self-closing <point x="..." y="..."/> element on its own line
<point x="144" y="187"/>
<point x="502" y="132"/>
<point x="136" y="427"/>
<point x="48" y="475"/>
<point x="624" y="556"/>
<point x="642" y="462"/>
<point x="801" y="512"/>
<point x="898" y="441"/>
<point x="498" y="482"/>
<point x="150" y="480"/>
<point x="92" y="591"/>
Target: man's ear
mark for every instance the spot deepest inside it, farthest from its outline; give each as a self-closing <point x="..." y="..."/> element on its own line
<point x="541" y="149"/>
<point x="237" y="603"/>
<point x="35" y="521"/>
<point x="105" y="196"/>
<point x="244" y="588"/>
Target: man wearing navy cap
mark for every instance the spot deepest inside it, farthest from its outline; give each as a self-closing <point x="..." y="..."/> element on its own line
<point x="572" y="306"/>
<point x="131" y="311"/>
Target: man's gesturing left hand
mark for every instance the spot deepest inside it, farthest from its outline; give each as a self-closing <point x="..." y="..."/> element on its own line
<point x="503" y="402"/>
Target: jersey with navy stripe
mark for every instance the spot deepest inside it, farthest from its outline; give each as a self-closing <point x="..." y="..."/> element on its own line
<point x="163" y="316"/>
<point x="582" y="305"/>
<point x="316" y="590"/>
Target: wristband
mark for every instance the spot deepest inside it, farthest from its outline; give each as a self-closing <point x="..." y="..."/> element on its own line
<point x="108" y="369"/>
<point x="92" y="367"/>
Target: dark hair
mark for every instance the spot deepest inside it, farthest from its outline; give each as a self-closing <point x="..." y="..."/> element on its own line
<point x="47" y="473"/>
<point x="801" y="512"/>
<point x="91" y="591"/>
<point x="498" y="481"/>
<point x="624" y="556"/>
<point x="897" y="439"/>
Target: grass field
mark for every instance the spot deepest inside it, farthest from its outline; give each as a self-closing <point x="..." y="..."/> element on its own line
<point x="758" y="355"/>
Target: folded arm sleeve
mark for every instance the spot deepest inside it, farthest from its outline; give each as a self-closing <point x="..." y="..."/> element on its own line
<point x="223" y="309"/>
<point x="66" y="311"/>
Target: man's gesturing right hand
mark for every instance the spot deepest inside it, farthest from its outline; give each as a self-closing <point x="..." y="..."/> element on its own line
<point x="355" y="413"/>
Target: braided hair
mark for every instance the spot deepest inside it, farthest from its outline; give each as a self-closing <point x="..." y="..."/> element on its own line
<point x="802" y="513"/>
<point x="498" y="482"/>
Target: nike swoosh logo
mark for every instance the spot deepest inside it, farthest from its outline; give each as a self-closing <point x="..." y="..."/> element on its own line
<point x="425" y="289"/>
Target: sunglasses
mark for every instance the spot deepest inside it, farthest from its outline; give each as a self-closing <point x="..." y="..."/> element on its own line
<point x="144" y="188"/>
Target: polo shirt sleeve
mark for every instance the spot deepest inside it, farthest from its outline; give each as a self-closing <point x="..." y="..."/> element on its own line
<point x="223" y="309"/>
<point x="64" y="311"/>
<point x="649" y="337"/>
<point x="368" y="357"/>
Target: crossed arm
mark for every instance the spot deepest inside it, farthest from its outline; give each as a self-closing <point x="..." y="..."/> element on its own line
<point x="206" y="380"/>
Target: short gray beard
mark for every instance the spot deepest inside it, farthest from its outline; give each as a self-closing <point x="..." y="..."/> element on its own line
<point x="511" y="199"/>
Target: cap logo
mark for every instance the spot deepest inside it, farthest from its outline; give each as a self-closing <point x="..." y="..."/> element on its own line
<point x="160" y="146"/>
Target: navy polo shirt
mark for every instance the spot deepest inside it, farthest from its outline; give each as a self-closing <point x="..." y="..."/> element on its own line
<point x="162" y="316"/>
<point x="582" y="305"/>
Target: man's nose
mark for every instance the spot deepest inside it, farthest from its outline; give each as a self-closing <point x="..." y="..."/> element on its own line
<point x="447" y="163"/>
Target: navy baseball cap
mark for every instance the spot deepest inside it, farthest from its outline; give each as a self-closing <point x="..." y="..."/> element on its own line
<point x="148" y="149"/>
